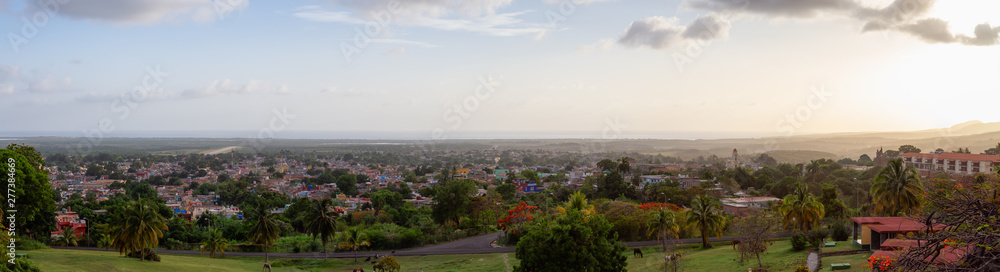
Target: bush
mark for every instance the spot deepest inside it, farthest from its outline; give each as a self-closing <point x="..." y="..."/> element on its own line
<point x="816" y="236"/>
<point x="20" y="265"/>
<point x="841" y="231"/>
<point x="150" y="255"/>
<point x="802" y="269"/>
<point x="25" y="243"/>
<point x="799" y="241"/>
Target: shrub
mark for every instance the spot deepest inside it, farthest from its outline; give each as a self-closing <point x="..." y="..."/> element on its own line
<point x="20" y="265"/>
<point x="816" y="236"/>
<point x="25" y="243"/>
<point x="150" y="255"/>
<point x="840" y="231"/>
<point x="799" y="241"/>
<point x="802" y="269"/>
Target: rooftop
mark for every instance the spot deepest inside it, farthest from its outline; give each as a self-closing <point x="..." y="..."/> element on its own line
<point x="955" y="156"/>
<point x="893" y="224"/>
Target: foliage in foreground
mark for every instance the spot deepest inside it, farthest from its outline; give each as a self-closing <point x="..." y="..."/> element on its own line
<point x="570" y="243"/>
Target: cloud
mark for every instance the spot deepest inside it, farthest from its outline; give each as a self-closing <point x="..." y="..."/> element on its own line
<point x="6" y="88"/>
<point x="777" y="8"/>
<point x="932" y="30"/>
<point x="906" y="16"/>
<point x="661" y="33"/>
<point x="576" y="2"/>
<point x="12" y="79"/>
<point x="230" y="87"/>
<point x="152" y="11"/>
<point x="406" y="42"/>
<point x="49" y="84"/>
<point x="476" y="16"/>
<point x="9" y="73"/>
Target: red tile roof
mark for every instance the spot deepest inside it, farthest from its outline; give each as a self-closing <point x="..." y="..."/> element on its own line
<point x="893" y="224"/>
<point x="955" y="156"/>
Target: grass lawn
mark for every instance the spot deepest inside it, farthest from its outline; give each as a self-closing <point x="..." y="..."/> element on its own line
<point x="841" y="246"/>
<point x="722" y="257"/>
<point x="719" y="258"/>
<point x="857" y="261"/>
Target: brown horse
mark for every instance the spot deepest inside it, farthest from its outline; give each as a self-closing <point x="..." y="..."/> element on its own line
<point x="267" y="267"/>
<point x="636" y="252"/>
<point x="736" y="243"/>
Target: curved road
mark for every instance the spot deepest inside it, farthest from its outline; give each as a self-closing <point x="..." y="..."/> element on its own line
<point x="472" y="245"/>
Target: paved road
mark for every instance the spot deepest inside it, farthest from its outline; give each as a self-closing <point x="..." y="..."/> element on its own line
<point x="473" y="245"/>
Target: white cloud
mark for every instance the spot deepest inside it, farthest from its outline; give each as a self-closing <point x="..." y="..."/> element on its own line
<point x="401" y="51"/>
<point x="406" y="42"/>
<point x="907" y="16"/>
<point x="661" y="33"/>
<point x="48" y="84"/>
<point x="228" y="86"/>
<point x="152" y="11"/>
<point x="476" y="16"/>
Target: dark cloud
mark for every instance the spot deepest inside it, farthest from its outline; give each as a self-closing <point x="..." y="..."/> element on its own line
<point x="985" y="35"/>
<point x="661" y="33"/>
<point x="780" y="8"/>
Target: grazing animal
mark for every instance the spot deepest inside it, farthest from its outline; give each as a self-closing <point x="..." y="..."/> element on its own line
<point x="368" y="259"/>
<point x="392" y="253"/>
<point x="636" y="252"/>
<point x="377" y="267"/>
<point x="267" y="267"/>
<point x="736" y="243"/>
<point x="358" y="270"/>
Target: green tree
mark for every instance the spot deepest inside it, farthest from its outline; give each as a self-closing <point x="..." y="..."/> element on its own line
<point x="706" y="216"/>
<point x="104" y="241"/>
<point x="607" y="165"/>
<point x="353" y="238"/>
<point x="624" y="166"/>
<point x="35" y="199"/>
<point x="214" y="243"/>
<point x="530" y="176"/>
<point x="897" y="189"/>
<point x="507" y="191"/>
<point x="570" y="242"/>
<point x="137" y="227"/>
<point x="323" y="222"/>
<point x="662" y="223"/>
<point x="802" y="208"/>
<point x="864" y="159"/>
<point x="452" y="200"/>
<point x="347" y="184"/>
<point x="67" y="237"/>
<point x="903" y="149"/>
<point x="264" y="229"/>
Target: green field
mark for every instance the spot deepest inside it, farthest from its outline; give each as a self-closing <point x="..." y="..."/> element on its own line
<point x="719" y="258"/>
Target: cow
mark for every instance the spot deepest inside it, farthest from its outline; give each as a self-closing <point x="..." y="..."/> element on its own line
<point x="637" y="252"/>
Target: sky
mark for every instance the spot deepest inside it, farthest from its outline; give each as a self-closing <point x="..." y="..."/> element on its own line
<point x="446" y="69"/>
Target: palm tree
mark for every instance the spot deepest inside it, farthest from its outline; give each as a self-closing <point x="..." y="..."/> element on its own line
<point x="663" y="222"/>
<point x="353" y="238"/>
<point x="322" y="222"/>
<point x="264" y="230"/>
<point x="802" y="208"/>
<point x="139" y="226"/>
<point x="814" y="169"/>
<point x="897" y="189"/>
<point x="706" y="215"/>
<point x="104" y="241"/>
<point x="624" y="166"/>
<point x="214" y="243"/>
<point x="67" y="237"/>
<point x="577" y="201"/>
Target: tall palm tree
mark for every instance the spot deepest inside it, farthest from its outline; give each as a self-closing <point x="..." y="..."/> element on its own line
<point x="264" y="230"/>
<point x="706" y="215"/>
<point x="802" y="208"/>
<point x="897" y="189"/>
<point x="67" y="237"/>
<point x="663" y="222"/>
<point x="814" y="169"/>
<point x="577" y="201"/>
<point x="624" y="166"/>
<point x="214" y="243"/>
<point x="322" y="222"/>
<point x="353" y="238"/>
<point x="138" y="226"/>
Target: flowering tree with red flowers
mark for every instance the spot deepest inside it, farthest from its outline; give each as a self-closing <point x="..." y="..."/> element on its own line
<point x="517" y="218"/>
<point x="878" y="262"/>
